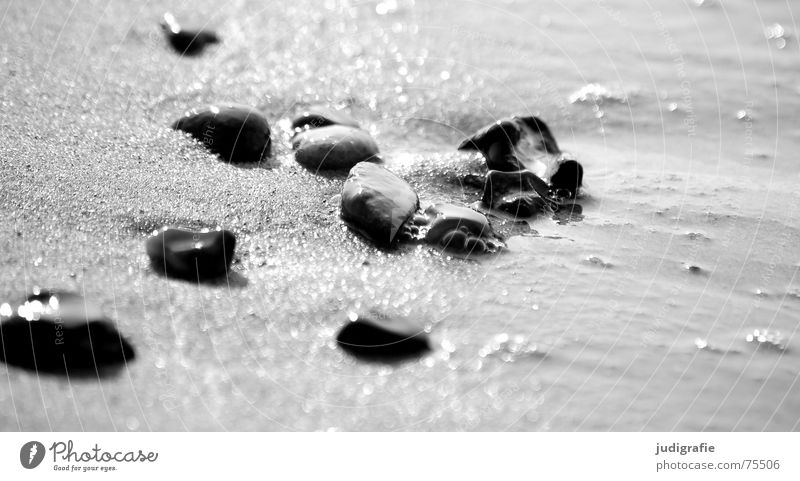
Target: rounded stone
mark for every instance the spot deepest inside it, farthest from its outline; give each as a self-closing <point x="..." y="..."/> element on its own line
<point x="377" y="203"/>
<point x="336" y="147"/>
<point x="238" y="134"/>
<point x="191" y="255"/>
<point x="446" y="218"/>
<point x="566" y="177"/>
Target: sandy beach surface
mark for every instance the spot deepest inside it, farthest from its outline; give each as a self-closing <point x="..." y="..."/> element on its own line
<point x="684" y="114"/>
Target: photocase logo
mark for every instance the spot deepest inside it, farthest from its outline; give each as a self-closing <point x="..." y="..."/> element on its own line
<point x="31" y="454"/>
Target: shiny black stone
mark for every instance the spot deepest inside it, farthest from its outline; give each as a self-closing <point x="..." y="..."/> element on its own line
<point x="383" y="339"/>
<point x="189" y="255"/>
<point x="237" y="134"/>
<point x="566" y="178"/>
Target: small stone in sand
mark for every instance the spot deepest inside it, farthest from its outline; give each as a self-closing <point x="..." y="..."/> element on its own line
<point x="459" y="228"/>
<point x="336" y="147"/>
<point x="377" y="203"/>
<point x="382" y="338"/>
<point x="191" y="255"/>
<point x="237" y="134"/>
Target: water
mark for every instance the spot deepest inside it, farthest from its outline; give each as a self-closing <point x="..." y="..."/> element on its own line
<point x="640" y="316"/>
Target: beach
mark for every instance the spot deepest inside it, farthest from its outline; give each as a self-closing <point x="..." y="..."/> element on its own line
<point x="634" y="317"/>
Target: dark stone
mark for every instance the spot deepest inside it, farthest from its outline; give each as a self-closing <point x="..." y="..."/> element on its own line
<point x="336" y="147"/>
<point x="566" y="177"/>
<point x="58" y="332"/>
<point x="317" y="117"/>
<point x="546" y="142"/>
<point x="382" y="338"/>
<point x="510" y="131"/>
<point x="237" y="134"/>
<point x="186" y="42"/>
<point x="457" y="229"/>
<point x="498" y="141"/>
<point x="501" y="184"/>
<point x="502" y="157"/>
<point x="191" y="255"/>
<point x="377" y="203"/>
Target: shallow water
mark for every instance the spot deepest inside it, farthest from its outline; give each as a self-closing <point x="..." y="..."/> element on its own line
<point x="684" y="116"/>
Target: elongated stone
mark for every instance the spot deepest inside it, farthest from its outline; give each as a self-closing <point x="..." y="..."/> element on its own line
<point x="237" y="134"/>
<point x="377" y="203"/>
<point x="336" y="147"/>
<point x="59" y="332"/>
<point x="383" y="338"/>
<point x="191" y="255"/>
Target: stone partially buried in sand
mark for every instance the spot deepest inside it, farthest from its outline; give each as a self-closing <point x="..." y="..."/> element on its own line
<point x="317" y="117"/>
<point x="59" y="332"/>
<point x="458" y="228"/>
<point x="336" y="147"/>
<point x="191" y="255"/>
<point x="237" y="134"/>
<point x="377" y="203"/>
<point x="383" y="338"/>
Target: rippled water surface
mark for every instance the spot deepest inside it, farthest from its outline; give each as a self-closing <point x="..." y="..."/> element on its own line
<point x="642" y="315"/>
